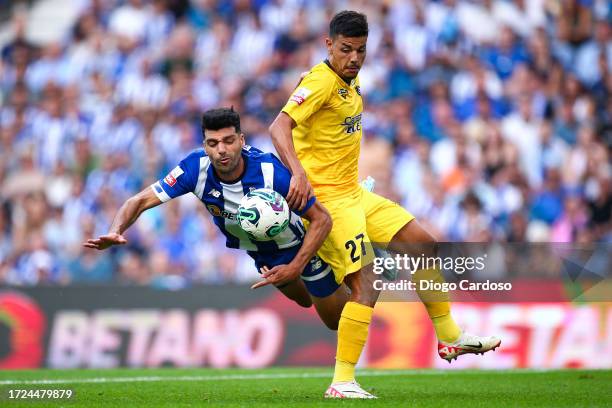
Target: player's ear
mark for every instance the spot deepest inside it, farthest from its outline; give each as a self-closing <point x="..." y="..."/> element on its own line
<point x="241" y="139"/>
<point x="329" y="44"/>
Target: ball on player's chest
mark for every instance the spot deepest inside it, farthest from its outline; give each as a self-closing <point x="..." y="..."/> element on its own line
<point x="263" y="214"/>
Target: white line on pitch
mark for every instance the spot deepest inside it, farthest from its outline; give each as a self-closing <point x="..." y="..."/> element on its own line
<point x="233" y="377"/>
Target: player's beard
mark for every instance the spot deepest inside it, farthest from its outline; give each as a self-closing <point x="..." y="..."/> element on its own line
<point x="351" y="72"/>
<point x="227" y="170"/>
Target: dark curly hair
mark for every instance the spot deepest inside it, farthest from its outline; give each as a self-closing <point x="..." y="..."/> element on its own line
<point x="220" y="118"/>
<point x="349" y="24"/>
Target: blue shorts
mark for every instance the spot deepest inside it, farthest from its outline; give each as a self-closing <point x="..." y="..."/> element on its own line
<point x="317" y="275"/>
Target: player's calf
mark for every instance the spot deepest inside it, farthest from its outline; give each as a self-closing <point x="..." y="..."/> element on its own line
<point x="330" y="307"/>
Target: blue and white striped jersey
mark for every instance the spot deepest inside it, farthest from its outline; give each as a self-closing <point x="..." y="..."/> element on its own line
<point x="196" y="175"/>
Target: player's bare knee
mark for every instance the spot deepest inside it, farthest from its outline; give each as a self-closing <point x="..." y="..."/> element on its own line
<point x="332" y="324"/>
<point x="300" y="297"/>
<point x="415" y="240"/>
<point x="431" y="246"/>
<point x="306" y="303"/>
<point x="362" y="291"/>
<point x="364" y="297"/>
<point x="331" y="320"/>
<point x="365" y="300"/>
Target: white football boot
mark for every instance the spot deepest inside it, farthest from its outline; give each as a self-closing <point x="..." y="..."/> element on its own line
<point x="349" y="389"/>
<point x="467" y="344"/>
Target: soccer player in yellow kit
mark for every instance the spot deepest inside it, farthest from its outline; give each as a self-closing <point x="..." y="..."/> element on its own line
<point x="318" y="135"/>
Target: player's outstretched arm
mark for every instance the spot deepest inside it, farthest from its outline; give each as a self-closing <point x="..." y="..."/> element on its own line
<point x="320" y="226"/>
<point x="127" y="214"/>
<point x="300" y="189"/>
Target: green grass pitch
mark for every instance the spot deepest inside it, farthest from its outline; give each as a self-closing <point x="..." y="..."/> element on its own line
<point x="304" y="387"/>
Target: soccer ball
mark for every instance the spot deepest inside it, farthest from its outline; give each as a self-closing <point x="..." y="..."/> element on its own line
<point x="263" y="214"/>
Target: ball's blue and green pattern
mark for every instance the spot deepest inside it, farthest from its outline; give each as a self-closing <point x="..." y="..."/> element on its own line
<point x="263" y="214"/>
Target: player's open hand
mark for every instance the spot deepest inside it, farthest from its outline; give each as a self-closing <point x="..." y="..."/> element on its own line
<point x="300" y="191"/>
<point x="105" y="241"/>
<point x="277" y="276"/>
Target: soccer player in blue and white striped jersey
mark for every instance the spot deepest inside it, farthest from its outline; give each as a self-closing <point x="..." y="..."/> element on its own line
<point x="220" y="175"/>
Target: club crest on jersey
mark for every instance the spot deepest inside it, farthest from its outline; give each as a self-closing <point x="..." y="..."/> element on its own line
<point x="300" y="95"/>
<point x="352" y="124"/>
<point x="170" y="179"/>
<point x="216" y="212"/>
<point x="343" y="93"/>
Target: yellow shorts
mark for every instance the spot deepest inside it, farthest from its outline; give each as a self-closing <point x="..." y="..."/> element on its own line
<point x="359" y="221"/>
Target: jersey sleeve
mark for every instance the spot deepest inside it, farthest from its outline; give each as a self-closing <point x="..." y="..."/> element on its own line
<point x="181" y="180"/>
<point x="282" y="179"/>
<point x="308" y="97"/>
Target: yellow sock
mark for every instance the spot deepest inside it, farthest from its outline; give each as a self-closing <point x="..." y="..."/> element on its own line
<point x="446" y="328"/>
<point x="438" y="306"/>
<point x="352" y="335"/>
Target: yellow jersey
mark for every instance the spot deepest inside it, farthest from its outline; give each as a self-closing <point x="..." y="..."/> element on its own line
<point x="327" y="138"/>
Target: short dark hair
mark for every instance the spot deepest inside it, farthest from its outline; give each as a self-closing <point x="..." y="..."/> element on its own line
<point x="215" y="119"/>
<point x="349" y="24"/>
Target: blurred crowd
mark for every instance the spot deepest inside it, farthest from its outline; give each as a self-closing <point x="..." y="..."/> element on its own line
<point x="490" y="120"/>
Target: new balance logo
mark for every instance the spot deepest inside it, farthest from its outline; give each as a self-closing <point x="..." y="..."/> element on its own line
<point x="214" y="193"/>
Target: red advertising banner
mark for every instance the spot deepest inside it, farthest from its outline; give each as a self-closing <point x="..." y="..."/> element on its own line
<point x="232" y="326"/>
<point x="105" y="327"/>
<point x="534" y="335"/>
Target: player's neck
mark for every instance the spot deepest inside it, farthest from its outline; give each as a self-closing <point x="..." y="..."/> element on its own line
<point x="235" y="175"/>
